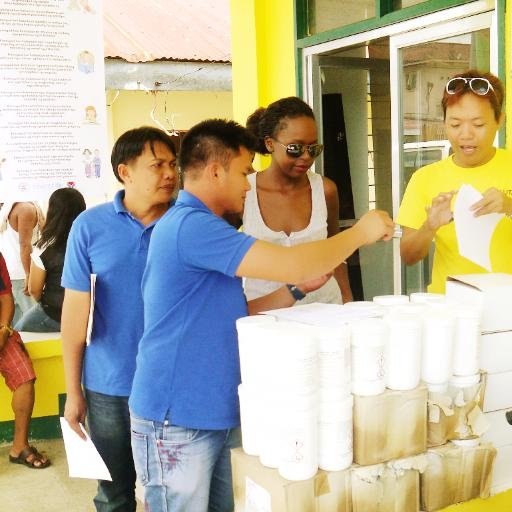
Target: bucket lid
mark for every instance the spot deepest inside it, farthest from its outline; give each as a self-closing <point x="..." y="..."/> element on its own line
<point x="390" y="300"/>
<point x="426" y="297"/>
<point x="252" y="320"/>
<point x="366" y="307"/>
<point x="464" y="381"/>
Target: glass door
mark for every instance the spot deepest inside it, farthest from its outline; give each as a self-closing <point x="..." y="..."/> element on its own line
<point x="377" y="98"/>
<point x="421" y="62"/>
<point x="352" y="105"/>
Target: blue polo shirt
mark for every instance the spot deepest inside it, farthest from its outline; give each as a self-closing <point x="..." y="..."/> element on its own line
<point x="108" y="241"/>
<point x="187" y="366"/>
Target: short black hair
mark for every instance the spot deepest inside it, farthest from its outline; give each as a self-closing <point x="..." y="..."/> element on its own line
<point x="268" y="122"/>
<point x="213" y="139"/>
<point x="130" y="145"/>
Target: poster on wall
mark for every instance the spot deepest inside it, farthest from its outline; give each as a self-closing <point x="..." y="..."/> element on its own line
<point x="52" y="99"/>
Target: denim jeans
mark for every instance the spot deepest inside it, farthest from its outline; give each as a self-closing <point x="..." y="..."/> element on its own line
<point x="36" y="320"/>
<point x="108" y="420"/>
<point x="22" y="302"/>
<point x="182" y="469"/>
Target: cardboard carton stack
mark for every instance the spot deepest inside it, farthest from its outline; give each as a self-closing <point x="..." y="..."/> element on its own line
<point x="393" y="471"/>
<point x="493" y="292"/>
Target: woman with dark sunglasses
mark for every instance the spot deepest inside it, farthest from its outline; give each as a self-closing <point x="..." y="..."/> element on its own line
<point x="472" y="105"/>
<point x="288" y="204"/>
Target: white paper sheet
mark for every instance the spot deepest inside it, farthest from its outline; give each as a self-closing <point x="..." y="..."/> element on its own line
<point x="328" y="315"/>
<point x="84" y="461"/>
<point x="91" y="310"/>
<point x="473" y="233"/>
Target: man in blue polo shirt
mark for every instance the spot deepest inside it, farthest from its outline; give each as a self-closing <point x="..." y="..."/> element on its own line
<point x="184" y="405"/>
<point x="111" y="241"/>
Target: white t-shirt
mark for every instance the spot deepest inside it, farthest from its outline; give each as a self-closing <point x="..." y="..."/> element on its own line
<point x="254" y="225"/>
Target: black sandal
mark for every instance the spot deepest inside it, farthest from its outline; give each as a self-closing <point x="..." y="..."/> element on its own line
<point x="35" y="463"/>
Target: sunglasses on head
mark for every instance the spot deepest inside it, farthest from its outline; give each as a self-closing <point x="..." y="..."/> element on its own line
<point x="295" y="150"/>
<point x="480" y="86"/>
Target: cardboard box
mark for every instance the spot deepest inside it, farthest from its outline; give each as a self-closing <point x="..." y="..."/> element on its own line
<point x="456" y="414"/>
<point x="496" y="352"/>
<point x="498" y="391"/>
<point x="389" y="426"/>
<point x="491" y="292"/>
<point x="379" y="488"/>
<point x="261" y="489"/>
<point x="455" y="474"/>
<point x="500" y="435"/>
<point x="500" y="431"/>
<point x="502" y="473"/>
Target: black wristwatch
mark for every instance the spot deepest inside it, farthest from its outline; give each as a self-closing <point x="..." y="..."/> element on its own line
<point x="296" y="293"/>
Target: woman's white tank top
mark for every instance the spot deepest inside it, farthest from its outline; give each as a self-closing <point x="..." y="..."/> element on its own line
<point x="254" y="225"/>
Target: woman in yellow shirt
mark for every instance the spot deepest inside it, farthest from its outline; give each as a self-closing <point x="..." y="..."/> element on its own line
<point x="472" y="104"/>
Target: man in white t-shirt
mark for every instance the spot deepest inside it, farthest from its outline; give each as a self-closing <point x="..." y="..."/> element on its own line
<point x="20" y="224"/>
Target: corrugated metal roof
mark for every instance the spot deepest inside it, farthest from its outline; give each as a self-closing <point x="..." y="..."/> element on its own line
<point x="184" y="30"/>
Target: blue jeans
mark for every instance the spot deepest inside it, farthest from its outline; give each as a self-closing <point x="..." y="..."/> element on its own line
<point x="182" y="469"/>
<point x="22" y="302"/>
<point x="36" y="320"/>
<point x="108" y="420"/>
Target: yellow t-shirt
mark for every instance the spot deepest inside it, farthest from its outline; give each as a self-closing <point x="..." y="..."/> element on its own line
<point x="444" y="176"/>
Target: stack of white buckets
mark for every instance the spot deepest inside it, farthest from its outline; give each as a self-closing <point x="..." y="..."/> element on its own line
<point x="421" y="339"/>
<point x="295" y="401"/>
<point x="297" y="379"/>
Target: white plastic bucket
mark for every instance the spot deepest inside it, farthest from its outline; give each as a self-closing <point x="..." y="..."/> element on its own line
<point x="251" y="413"/>
<point x="279" y="411"/>
<point x="299" y="437"/>
<point x="365" y="308"/>
<point x="403" y="351"/>
<point x="367" y="356"/>
<point x="426" y="298"/>
<point x="271" y="442"/>
<point x="295" y="352"/>
<point x="335" y="446"/>
<point x="391" y="300"/>
<point x="437" y="350"/>
<point x="252" y="347"/>
<point x="466" y="350"/>
<point x="333" y="356"/>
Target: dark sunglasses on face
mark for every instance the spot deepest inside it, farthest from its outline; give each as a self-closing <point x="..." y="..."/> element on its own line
<point x="480" y="86"/>
<point x="296" y="150"/>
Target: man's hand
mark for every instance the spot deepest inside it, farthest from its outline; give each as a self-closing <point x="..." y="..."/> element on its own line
<point x="375" y="225"/>
<point x="25" y="288"/>
<point x="314" y="284"/>
<point x="439" y="213"/>
<point x="74" y="412"/>
<point x="493" y="201"/>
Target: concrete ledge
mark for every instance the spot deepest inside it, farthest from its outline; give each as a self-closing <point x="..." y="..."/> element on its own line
<point x="46" y="353"/>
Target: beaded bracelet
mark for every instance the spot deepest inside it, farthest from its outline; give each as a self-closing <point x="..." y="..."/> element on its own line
<point x="8" y="328"/>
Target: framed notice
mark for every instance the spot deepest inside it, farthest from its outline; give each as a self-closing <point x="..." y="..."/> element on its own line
<point x="52" y="99"/>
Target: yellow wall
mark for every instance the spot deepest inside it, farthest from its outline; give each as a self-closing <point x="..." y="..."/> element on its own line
<point x="131" y="109"/>
<point x="263" y="55"/>
<point x="47" y="360"/>
<point x="508" y="72"/>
